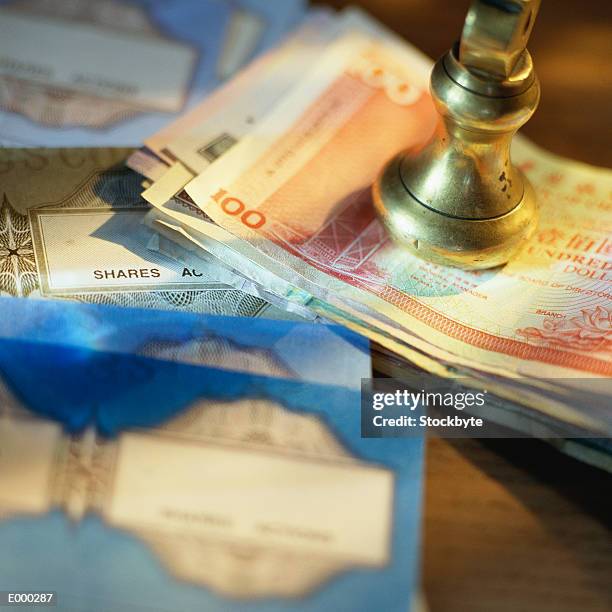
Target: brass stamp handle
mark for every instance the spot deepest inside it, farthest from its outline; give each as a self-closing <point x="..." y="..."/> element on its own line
<point x="459" y="200"/>
<point x="495" y="35"/>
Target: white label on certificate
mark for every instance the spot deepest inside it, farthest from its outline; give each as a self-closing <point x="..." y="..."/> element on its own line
<point x="146" y="71"/>
<point x="91" y="250"/>
<point x="325" y="508"/>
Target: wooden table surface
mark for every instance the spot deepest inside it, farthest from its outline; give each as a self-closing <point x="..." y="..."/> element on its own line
<point x="513" y="525"/>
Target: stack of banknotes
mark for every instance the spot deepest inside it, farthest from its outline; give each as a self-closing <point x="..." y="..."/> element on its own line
<point x="271" y="175"/>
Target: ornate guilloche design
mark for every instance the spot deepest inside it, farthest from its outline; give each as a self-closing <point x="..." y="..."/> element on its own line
<point x="18" y="275"/>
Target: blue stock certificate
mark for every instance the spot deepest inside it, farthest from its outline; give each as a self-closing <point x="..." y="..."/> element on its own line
<point x="227" y="476"/>
<point x="111" y="72"/>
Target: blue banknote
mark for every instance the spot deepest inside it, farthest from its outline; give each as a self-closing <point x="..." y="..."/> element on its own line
<point x="110" y="73"/>
<point x="198" y="479"/>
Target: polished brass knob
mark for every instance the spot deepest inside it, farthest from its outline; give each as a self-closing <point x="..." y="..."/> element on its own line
<point x="459" y="200"/>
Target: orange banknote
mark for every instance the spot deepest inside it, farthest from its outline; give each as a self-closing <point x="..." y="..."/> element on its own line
<point x="297" y="188"/>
